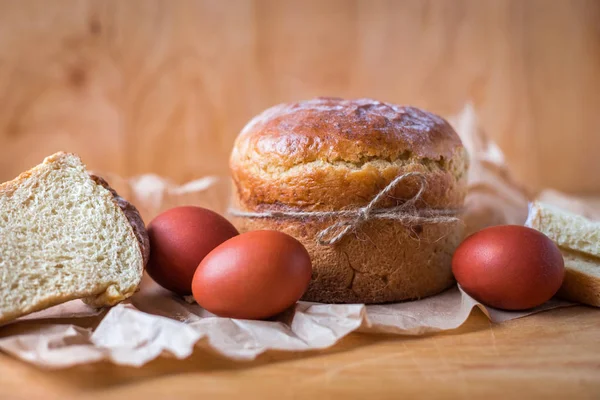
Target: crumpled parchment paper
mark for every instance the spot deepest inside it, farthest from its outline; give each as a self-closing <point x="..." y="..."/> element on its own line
<point x="155" y="322"/>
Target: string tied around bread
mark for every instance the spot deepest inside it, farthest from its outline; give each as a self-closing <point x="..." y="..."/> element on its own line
<point x="351" y="220"/>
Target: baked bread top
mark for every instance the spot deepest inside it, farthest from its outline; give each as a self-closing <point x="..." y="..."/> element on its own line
<point x="330" y="153"/>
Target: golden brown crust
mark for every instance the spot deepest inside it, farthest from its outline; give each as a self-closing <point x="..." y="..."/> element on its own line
<point x="334" y="154"/>
<point x="332" y="129"/>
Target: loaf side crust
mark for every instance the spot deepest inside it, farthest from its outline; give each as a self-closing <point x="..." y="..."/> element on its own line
<point x="382" y="261"/>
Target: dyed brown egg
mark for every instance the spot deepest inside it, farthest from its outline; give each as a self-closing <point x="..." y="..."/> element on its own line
<point x="253" y="276"/>
<point x="180" y="238"/>
<point x="509" y="267"/>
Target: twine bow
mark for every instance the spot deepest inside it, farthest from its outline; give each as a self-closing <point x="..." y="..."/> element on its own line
<point x="351" y="220"/>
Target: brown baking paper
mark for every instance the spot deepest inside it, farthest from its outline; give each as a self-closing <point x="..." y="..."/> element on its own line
<point x="155" y="322"/>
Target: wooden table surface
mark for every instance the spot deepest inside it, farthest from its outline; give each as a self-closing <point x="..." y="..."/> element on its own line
<point x="555" y="354"/>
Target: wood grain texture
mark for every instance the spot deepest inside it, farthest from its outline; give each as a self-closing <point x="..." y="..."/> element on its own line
<point x="165" y="86"/>
<point x="552" y="355"/>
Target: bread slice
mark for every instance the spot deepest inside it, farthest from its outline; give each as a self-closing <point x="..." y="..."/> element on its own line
<point x="579" y="242"/>
<point x="65" y="235"/>
<point x="582" y="278"/>
<point x="568" y="230"/>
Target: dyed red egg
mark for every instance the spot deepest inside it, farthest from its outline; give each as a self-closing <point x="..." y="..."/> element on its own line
<point x="255" y="275"/>
<point x="180" y="238"/>
<point x="509" y="267"/>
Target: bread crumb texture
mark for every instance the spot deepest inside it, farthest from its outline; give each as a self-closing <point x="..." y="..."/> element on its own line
<point x="579" y="242"/>
<point x="63" y="237"/>
<point x="568" y="230"/>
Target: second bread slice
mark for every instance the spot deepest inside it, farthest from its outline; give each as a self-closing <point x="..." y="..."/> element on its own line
<point x="582" y="278"/>
<point x="568" y="230"/>
<point x="579" y="242"/>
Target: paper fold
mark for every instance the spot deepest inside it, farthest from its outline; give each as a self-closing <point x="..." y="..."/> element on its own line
<point x="135" y="333"/>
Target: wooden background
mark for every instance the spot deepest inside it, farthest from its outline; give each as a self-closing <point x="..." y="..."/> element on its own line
<point x="164" y="86"/>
